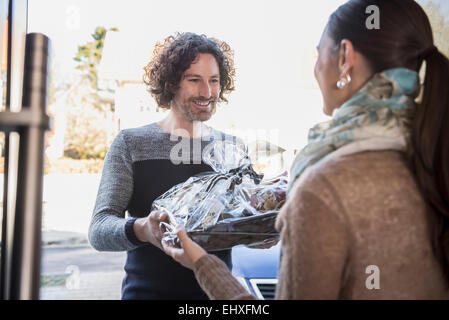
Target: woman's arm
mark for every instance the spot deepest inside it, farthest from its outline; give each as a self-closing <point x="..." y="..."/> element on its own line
<point x="212" y="274"/>
<point x="314" y="244"/>
<point x="314" y="253"/>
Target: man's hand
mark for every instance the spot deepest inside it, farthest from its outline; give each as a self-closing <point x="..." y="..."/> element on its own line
<point x="190" y="252"/>
<point x="147" y="229"/>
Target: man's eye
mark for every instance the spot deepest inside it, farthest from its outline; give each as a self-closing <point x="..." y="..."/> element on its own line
<point x="214" y="81"/>
<point x="194" y="80"/>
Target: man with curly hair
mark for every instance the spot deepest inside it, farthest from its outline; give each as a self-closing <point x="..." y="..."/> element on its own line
<point x="188" y="74"/>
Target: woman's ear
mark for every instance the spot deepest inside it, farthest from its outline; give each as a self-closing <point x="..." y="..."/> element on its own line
<point x="346" y="57"/>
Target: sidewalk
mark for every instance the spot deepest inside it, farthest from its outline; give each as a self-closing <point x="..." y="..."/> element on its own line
<point x="62" y="210"/>
<point x="63" y="238"/>
<point x="65" y="257"/>
<point x="88" y="286"/>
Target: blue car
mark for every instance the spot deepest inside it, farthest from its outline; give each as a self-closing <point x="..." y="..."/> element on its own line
<point x="257" y="269"/>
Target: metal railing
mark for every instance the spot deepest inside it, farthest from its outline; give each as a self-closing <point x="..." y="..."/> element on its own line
<point x="20" y="253"/>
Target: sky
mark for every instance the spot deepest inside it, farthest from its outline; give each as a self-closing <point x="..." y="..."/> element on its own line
<point x="249" y="25"/>
<point x="444" y="4"/>
<point x="274" y="44"/>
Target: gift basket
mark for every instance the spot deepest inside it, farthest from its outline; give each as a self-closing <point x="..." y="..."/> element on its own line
<point x="229" y="206"/>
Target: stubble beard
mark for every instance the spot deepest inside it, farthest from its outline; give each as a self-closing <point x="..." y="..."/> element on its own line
<point x="192" y="116"/>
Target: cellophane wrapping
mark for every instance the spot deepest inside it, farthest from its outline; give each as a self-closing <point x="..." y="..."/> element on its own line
<point x="232" y="205"/>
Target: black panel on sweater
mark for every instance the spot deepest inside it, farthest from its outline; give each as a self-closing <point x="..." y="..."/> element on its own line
<point x="150" y="273"/>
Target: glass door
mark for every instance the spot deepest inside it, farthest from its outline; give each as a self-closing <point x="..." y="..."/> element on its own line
<point x="23" y="122"/>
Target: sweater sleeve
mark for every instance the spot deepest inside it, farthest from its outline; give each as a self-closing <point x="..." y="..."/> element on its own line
<point x="217" y="281"/>
<point x="313" y="255"/>
<point x="314" y="244"/>
<point x="109" y="230"/>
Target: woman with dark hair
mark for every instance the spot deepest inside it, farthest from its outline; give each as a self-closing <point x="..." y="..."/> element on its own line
<point x="367" y="214"/>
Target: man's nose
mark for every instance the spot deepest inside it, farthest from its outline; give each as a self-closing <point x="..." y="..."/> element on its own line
<point x="205" y="90"/>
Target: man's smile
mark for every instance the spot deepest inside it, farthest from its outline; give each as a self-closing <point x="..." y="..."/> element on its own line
<point x="201" y="104"/>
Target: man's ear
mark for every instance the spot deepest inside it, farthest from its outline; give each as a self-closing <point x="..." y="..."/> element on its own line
<point x="346" y="56"/>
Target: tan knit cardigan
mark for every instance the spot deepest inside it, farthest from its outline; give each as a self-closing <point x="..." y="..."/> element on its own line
<point x="355" y="227"/>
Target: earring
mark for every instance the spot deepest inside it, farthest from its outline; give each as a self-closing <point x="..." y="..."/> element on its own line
<point x="343" y="82"/>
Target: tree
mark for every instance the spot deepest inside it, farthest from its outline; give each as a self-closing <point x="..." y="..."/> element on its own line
<point x="90" y="119"/>
<point x="89" y="55"/>
<point x="90" y="126"/>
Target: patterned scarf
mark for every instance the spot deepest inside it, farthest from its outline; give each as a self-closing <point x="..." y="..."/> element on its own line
<point x="377" y="117"/>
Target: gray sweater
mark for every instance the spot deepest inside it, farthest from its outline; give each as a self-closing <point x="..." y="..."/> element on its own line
<point x="142" y="164"/>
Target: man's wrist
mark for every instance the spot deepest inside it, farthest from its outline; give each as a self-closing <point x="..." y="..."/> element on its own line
<point x="134" y="231"/>
<point x="140" y="229"/>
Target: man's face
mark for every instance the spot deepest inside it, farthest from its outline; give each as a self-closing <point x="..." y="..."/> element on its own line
<point x="199" y="89"/>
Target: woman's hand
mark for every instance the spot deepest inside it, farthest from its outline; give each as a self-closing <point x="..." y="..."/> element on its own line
<point x="190" y="252"/>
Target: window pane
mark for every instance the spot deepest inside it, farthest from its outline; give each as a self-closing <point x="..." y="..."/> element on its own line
<point x="97" y="89"/>
<point x="3" y="51"/>
<point x="99" y="51"/>
<point x="3" y="74"/>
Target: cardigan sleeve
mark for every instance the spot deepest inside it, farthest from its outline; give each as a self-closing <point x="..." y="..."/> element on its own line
<point x="314" y="244"/>
<point x="217" y="281"/>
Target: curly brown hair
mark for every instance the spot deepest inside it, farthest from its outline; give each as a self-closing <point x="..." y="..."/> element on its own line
<point x="175" y="54"/>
